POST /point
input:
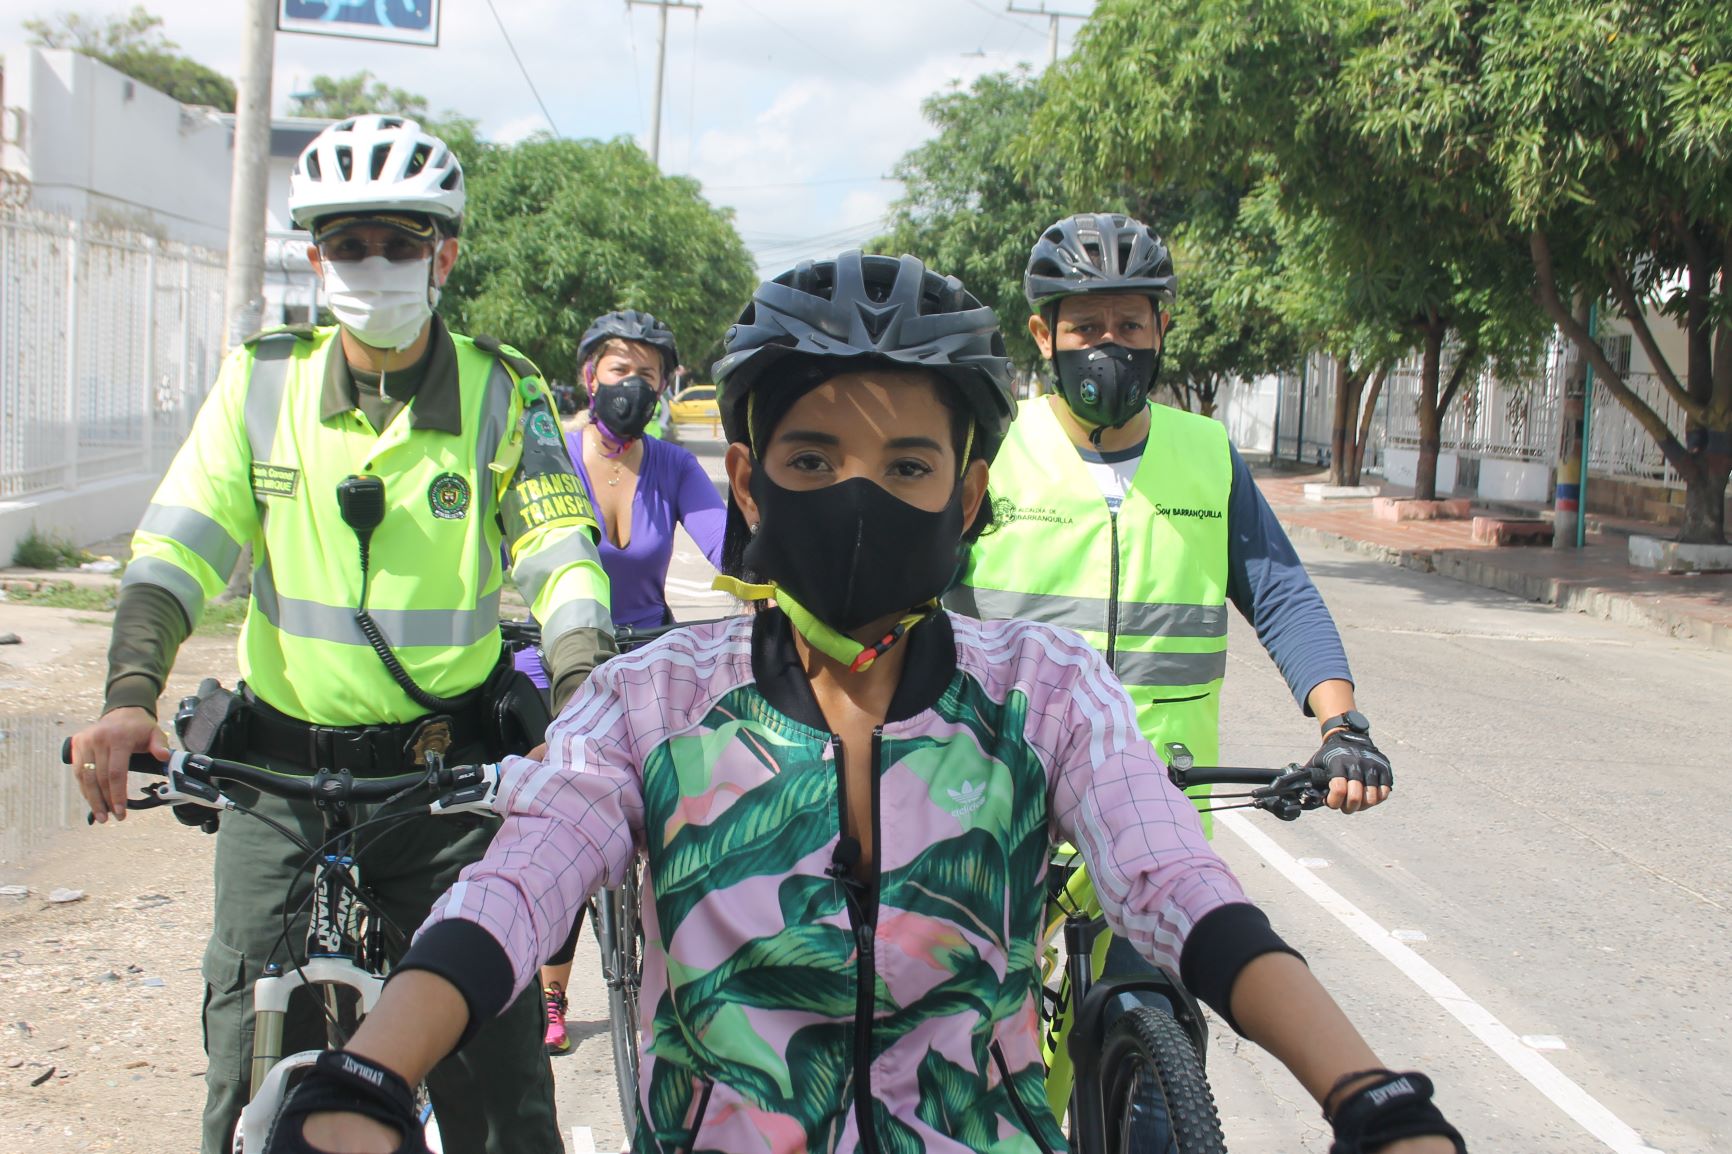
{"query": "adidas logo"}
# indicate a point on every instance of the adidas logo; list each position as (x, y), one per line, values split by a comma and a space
(969, 798)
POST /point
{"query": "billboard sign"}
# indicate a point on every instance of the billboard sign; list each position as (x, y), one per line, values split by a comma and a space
(397, 21)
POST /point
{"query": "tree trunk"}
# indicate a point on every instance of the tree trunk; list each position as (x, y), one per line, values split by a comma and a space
(1572, 453)
(1349, 384)
(1705, 504)
(1367, 412)
(240, 585)
(1430, 417)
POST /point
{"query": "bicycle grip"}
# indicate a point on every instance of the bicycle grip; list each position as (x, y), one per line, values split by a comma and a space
(139, 763)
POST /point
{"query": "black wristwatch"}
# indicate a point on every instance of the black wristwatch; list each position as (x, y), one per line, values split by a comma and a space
(1352, 720)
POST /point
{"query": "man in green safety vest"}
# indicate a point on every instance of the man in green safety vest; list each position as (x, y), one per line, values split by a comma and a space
(375, 467)
(1134, 523)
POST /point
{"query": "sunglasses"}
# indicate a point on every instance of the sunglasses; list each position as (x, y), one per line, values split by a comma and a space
(396, 249)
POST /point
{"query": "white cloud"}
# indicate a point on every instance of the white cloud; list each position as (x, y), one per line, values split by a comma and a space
(787, 110)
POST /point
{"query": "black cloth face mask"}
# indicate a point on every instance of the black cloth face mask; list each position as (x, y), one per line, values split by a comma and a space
(1107, 385)
(851, 553)
(625, 407)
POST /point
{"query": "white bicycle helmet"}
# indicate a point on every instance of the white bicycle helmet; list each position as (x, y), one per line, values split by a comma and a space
(377, 164)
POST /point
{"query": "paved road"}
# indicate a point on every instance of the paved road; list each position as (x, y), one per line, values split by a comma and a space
(1554, 867)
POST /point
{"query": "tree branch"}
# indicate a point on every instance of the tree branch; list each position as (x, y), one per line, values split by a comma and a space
(1457, 373)
(1546, 291)
(1633, 312)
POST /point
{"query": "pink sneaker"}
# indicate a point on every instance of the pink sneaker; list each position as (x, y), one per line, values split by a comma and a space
(557, 1041)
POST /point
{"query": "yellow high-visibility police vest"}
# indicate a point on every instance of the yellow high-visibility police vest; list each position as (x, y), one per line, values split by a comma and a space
(1147, 585)
(475, 459)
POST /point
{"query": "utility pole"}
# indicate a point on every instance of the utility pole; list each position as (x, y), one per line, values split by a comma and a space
(244, 296)
(661, 66)
(1052, 25)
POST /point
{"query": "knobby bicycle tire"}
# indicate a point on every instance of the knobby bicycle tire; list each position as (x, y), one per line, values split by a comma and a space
(1149, 1063)
(622, 967)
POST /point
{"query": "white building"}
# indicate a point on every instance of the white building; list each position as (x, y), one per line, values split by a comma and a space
(114, 209)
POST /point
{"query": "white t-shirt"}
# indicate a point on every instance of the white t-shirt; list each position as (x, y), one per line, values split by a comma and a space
(1113, 471)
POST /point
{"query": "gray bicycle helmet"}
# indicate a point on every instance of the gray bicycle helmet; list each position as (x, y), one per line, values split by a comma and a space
(1098, 253)
(861, 309)
(631, 325)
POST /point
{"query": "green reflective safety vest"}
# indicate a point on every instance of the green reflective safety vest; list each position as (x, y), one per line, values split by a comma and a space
(475, 459)
(1147, 586)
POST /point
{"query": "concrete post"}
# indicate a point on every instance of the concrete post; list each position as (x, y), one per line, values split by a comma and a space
(73, 255)
(244, 295)
(148, 420)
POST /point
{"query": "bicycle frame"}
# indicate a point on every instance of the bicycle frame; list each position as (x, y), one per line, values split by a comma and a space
(344, 946)
(1085, 1003)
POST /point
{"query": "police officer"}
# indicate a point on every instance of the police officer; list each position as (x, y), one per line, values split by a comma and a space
(1135, 523)
(449, 444)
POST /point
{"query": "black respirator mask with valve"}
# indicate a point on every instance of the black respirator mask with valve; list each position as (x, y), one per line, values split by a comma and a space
(1107, 385)
(625, 407)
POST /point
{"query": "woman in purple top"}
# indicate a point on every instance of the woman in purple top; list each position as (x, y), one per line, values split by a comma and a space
(640, 487)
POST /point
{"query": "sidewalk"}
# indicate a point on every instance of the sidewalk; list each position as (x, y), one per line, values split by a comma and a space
(1597, 580)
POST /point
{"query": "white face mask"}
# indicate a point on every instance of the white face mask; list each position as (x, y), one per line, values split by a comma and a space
(385, 304)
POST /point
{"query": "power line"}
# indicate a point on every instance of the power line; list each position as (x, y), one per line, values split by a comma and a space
(798, 39)
(997, 15)
(521, 68)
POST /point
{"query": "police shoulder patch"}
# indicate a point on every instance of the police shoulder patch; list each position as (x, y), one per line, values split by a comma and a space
(448, 496)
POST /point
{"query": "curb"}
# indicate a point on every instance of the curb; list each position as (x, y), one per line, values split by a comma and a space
(1461, 565)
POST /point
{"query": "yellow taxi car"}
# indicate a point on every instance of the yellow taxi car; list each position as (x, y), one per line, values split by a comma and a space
(695, 405)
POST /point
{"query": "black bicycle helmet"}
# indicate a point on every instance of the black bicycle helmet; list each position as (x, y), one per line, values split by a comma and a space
(1098, 253)
(631, 325)
(883, 309)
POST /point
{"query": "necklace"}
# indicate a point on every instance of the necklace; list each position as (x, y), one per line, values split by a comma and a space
(614, 480)
(617, 455)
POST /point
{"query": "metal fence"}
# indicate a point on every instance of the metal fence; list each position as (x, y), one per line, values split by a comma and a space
(1508, 416)
(108, 341)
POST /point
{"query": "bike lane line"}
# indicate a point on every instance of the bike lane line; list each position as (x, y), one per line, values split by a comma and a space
(1563, 1092)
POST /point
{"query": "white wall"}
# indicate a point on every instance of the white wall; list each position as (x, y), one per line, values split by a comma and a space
(1247, 408)
(99, 146)
(1401, 468)
(1515, 480)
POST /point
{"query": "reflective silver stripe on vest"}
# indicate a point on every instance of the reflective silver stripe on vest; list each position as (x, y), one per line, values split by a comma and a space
(1170, 668)
(270, 380)
(403, 628)
(1089, 614)
(167, 575)
(495, 425)
(533, 571)
(584, 613)
(197, 532)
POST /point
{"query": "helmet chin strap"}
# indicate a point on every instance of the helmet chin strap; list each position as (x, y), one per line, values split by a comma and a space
(831, 642)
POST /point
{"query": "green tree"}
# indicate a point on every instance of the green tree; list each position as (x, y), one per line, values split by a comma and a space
(134, 44)
(1226, 321)
(1609, 123)
(335, 97)
(969, 208)
(559, 231)
(1289, 89)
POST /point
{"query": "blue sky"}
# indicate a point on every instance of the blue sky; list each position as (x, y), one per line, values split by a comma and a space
(788, 111)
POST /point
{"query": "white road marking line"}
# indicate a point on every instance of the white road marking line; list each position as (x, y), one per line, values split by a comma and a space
(1564, 1093)
(582, 1140)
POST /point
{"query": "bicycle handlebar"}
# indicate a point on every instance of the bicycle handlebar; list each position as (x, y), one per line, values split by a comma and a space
(192, 779)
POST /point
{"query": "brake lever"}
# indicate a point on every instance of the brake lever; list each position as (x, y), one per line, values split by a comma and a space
(179, 789)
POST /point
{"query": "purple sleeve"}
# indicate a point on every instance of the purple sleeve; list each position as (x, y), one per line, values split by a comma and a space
(700, 508)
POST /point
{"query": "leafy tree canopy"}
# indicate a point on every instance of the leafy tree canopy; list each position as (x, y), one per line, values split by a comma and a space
(335, 97)
(969, 209)
(134, 44)
(558, 232)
